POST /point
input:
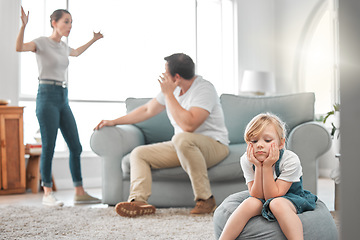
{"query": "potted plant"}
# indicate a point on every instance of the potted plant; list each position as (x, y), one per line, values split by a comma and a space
(335, 173)
(335, 111)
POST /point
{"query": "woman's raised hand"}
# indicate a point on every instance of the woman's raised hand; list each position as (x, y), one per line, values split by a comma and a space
(24, 17)
(98, 35)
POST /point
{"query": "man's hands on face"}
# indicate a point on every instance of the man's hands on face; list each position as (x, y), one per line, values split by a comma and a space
(167, 84)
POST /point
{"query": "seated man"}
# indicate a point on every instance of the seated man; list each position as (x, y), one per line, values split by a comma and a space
(200, 140)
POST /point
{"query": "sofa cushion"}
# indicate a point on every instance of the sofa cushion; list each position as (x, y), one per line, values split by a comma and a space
(293, 109)
(229, 168)
(156, 129)
(226, 170)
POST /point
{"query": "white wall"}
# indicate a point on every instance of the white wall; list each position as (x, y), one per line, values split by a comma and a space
(270, 35)
(256, 35)
(90, 167)
(350, 114)
(291, 22)
(9, 58)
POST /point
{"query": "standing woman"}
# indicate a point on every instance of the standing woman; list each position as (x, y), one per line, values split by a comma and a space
(52, 106)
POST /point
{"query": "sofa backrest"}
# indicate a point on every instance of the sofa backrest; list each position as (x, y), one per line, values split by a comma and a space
(293, 109)
(156, 129)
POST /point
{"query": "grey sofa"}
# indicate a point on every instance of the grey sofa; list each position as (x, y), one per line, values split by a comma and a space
(171, 187)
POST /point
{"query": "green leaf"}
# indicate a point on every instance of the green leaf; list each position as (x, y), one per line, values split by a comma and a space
(328, 115)
(333, 130)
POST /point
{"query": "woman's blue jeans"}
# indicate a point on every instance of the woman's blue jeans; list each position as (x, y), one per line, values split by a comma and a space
(53, 112)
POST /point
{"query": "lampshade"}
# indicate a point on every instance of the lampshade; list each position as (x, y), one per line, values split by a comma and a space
(257, 82)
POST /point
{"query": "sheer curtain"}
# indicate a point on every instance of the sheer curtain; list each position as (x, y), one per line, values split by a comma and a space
(319, 65)
(130, 57)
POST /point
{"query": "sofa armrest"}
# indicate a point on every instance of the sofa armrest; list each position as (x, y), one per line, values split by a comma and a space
(112, 144)
(309, 141)
(116, 141)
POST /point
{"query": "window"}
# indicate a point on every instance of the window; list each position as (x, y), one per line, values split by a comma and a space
(216, 44)
(137, 37)
(319, 67)
(130, 57)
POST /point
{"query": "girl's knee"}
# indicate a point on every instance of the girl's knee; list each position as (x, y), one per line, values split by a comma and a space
(275, 204)
(280, 204)
(253, 202)
(251, 206)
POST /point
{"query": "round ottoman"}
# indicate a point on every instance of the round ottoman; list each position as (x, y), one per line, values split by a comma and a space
(317, 224)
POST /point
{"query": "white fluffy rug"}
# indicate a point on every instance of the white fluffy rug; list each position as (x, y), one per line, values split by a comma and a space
(28, 222)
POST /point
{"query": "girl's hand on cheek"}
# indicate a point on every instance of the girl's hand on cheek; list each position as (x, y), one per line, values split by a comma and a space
(273, 155)
(251, 156)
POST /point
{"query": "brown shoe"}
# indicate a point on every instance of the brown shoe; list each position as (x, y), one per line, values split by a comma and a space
(134, 209)
(204, 206)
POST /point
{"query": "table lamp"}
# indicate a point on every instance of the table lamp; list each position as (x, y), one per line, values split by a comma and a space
(257, 82)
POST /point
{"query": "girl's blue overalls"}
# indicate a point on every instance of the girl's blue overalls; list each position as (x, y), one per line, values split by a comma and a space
(303, 200)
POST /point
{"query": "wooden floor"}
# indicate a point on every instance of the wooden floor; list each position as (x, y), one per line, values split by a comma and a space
(326, 193)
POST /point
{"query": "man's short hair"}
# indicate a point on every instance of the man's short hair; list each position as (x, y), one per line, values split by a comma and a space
(182, 64)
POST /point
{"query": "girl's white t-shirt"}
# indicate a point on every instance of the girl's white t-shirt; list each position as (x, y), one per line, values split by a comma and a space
(52, 58)
(201, 94)
(290, 168)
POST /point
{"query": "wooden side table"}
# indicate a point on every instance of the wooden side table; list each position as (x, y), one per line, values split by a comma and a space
(33, 172)
(12, 157)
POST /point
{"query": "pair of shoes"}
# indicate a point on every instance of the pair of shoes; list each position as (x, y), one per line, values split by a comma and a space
(86, 199)
(134, 209)
(50, 200)
(204, 206)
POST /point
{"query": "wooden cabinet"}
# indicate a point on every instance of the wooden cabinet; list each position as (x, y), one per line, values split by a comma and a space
(12, 152)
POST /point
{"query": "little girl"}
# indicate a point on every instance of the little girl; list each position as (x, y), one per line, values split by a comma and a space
(274, 179)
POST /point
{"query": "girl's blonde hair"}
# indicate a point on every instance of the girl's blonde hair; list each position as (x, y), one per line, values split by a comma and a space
(259, 122)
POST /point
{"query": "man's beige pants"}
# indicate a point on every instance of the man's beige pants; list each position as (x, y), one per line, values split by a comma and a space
(195, 153)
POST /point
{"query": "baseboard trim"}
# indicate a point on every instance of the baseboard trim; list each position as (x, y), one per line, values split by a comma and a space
(63, 184)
